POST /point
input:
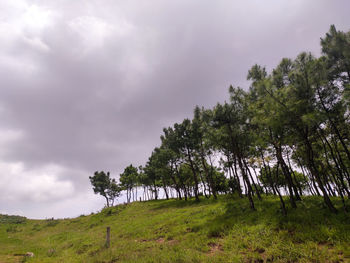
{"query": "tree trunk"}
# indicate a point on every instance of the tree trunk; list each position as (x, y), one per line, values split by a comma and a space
(313, 171)
(286, 175)
(283, 206)
(267, 171)
(195, 179)
(245, 177)
(251, 178)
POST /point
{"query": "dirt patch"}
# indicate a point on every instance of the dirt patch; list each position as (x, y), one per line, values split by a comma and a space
(325, 244)
(329, 248)
(160, 240)
(214, 248)
(173, 242)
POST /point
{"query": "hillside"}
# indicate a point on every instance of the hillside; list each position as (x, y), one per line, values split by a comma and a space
(225, 230)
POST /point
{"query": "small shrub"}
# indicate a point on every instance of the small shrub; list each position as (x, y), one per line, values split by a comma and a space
(12, 229)
(52, 223)
(93, 225)
(7, 219)
(195, 228)
(109, 212)
(217, 230)
(83, 248)
(36, 227)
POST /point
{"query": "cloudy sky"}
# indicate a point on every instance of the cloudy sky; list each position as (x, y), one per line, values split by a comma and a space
(89, 85)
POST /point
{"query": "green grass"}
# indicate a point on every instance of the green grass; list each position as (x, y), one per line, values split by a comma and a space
(223, 230)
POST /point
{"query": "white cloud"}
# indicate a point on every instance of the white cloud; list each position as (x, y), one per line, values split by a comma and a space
(36, 18)
(17, 19)
(37, 43)
(36, 184)
(94, 31)
(22, 23)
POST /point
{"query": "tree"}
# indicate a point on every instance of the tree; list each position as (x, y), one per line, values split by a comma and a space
(128, 180)
(104, 185)
(114, 191)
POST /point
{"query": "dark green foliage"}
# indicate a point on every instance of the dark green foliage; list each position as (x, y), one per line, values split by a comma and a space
(51, 223)
(104, 185)
(8, 219)
(128, 180)
(12, 229)
(279, 180)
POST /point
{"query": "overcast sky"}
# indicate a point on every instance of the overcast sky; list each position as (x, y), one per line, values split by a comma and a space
(89, 85)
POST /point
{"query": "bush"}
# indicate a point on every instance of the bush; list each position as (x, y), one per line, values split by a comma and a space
(12, 229)
(7, 219)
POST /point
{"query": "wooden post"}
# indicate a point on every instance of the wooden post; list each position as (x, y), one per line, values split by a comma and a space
(108, 237)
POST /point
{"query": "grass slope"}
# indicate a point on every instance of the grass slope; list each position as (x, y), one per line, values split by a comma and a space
(225, 230)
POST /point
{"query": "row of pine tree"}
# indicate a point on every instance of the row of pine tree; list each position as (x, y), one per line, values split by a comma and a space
(288, 135)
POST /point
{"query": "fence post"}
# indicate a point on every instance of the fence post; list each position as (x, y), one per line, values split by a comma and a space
(108, 237)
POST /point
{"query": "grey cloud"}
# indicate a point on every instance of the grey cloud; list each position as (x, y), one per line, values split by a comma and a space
(93, 88)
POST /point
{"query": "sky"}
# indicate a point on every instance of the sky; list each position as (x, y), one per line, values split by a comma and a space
(87, 86)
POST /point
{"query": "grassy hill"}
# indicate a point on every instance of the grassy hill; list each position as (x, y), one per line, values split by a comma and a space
(225, 230)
